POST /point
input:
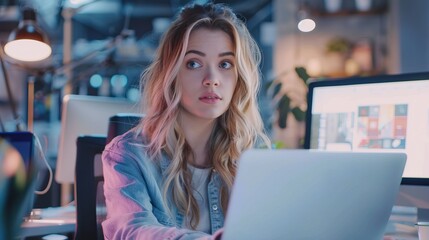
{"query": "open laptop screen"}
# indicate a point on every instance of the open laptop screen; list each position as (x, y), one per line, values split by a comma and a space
(373, 114)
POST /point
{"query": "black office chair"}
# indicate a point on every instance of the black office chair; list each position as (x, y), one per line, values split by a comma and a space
(121, 123)
(89, 196)
(88, 187)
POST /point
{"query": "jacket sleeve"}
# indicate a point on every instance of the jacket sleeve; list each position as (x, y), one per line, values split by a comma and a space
(132, 199)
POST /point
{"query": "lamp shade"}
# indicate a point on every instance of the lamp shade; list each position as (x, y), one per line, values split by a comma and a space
(28, 42)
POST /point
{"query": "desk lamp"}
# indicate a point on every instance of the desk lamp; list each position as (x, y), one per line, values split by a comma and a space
(28, 43)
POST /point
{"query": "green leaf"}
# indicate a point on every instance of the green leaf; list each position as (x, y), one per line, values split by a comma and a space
(284, 108)
(278, 145)
(277, 89)
(277, 86)
(299, 114)
(302, 73)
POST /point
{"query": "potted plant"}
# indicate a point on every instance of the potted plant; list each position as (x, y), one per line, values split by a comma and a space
(287, 99)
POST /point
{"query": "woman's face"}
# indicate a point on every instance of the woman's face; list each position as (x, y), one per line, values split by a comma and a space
(208, 75)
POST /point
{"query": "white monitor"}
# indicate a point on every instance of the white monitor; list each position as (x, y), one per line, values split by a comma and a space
(83, 115)
(388, 113)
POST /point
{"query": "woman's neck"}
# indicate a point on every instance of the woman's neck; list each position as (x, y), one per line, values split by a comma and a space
(197, 132)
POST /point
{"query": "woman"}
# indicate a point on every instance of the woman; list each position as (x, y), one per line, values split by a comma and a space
(171, 177)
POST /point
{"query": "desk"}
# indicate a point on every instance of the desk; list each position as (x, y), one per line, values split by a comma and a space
(52, 220)
(63, 220)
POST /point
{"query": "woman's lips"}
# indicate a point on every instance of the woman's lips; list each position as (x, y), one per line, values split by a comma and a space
(210, 98)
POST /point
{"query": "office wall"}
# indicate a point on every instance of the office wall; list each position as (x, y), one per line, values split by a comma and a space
(399, 37)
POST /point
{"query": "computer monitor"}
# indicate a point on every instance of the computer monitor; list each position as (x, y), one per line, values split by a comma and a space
(84, 115)
(388, 113)
(23, 142)
(20, 192)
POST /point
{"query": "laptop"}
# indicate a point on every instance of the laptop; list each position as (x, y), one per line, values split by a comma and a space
(308, 194)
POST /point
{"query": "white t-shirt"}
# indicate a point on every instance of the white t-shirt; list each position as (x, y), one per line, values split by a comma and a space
(200, 180)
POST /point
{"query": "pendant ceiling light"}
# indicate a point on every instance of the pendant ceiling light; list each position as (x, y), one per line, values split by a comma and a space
(28, 42)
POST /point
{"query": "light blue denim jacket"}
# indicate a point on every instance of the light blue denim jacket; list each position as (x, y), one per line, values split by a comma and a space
(133, 189)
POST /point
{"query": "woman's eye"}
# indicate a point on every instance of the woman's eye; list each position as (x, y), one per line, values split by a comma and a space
(193, 64)
(225, 65)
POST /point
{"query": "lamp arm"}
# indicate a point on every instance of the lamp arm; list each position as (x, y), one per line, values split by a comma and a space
(9, 92)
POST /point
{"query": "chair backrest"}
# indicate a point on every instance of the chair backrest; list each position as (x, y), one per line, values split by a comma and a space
(88, 179)
(89, 195)
(121, 123)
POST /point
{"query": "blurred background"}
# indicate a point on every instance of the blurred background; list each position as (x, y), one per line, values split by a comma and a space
(100, 47)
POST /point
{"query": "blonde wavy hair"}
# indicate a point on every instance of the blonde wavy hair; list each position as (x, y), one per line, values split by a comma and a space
(238, 129)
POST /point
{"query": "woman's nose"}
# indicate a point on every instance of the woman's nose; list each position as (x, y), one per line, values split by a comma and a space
(211, 79)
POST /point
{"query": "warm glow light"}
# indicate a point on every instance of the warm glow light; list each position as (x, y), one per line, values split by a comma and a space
(306, 25)
(314, 67)
(27, 50)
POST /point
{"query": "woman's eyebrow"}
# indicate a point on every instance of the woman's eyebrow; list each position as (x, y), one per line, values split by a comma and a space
(196, 52)
(226, 54)
(203, 54)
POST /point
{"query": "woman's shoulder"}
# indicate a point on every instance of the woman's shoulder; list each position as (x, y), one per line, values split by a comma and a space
(127, 154)
(132, 137)
(133, 145)
(130, 142)
(128, 147)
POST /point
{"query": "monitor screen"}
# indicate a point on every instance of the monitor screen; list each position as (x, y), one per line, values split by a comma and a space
(388, 113)
(84, 115)
(23, 142)
(383, 114)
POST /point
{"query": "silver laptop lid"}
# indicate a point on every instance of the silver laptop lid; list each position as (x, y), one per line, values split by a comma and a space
(302, 194)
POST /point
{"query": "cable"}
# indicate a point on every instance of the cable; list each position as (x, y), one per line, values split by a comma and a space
(42, 155)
